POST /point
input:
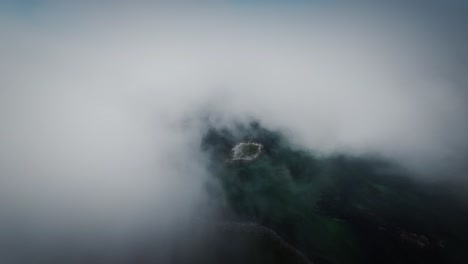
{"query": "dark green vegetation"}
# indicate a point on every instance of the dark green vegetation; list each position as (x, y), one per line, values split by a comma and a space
(336, 209)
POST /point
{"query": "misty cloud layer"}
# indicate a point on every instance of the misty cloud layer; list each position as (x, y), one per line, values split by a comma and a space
(101, 106)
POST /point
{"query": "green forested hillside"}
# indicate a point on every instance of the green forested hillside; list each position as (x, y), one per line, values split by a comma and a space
(333, 209)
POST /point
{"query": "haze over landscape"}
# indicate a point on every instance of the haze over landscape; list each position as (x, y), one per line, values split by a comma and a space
(111, 114)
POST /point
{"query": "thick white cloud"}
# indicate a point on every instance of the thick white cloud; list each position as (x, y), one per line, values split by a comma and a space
(93, 102)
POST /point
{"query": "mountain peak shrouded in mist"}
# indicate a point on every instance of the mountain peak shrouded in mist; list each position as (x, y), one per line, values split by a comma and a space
(338, 208)
(361, 132)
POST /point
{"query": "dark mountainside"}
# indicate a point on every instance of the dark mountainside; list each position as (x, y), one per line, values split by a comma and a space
(293, 206)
